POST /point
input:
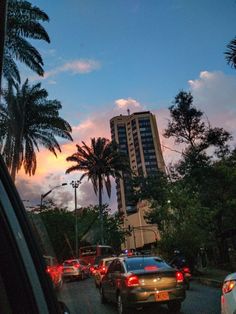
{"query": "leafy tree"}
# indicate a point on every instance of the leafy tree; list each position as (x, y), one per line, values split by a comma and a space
(99, 161)
(193, 207)
(187, 127)
(27, 120)
(46, 224)
(114, 234)
(23, 22)
(205, 181)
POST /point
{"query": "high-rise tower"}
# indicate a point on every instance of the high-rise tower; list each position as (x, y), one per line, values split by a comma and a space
(137, 136)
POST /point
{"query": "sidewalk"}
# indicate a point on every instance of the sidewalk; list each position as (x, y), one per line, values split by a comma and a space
(211, 277)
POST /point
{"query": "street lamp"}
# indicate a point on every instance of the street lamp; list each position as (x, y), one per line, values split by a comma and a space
(46, 194)
(75, 185)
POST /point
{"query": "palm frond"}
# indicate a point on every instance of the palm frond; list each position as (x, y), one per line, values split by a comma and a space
(230, 54)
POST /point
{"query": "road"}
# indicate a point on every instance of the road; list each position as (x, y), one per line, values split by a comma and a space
(83, 298)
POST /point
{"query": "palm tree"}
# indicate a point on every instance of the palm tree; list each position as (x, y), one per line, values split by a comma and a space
(230, 54)
(27, 120)
(99, 162)
(23, 22)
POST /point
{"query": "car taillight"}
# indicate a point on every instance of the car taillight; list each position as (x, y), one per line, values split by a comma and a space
(59, 268)
(186, 270)
(77, 265)
(103, 270)
(132, 281)
(48, 269)
(179, 276)
(228, 286)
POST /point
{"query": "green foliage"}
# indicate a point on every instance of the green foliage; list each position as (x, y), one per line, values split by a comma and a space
(57, 229)
(27, 120)
(23, 23)
(98, 162)
(197, 205)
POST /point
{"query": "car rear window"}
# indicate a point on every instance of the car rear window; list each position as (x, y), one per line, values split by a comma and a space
(107, 263)
(145, 263)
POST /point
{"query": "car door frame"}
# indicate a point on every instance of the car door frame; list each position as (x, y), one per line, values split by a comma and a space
(29, 266)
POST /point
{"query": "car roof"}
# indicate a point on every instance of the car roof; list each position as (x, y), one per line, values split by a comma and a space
(108, 258)
(139, 257)
(231, 276)
(71, 260)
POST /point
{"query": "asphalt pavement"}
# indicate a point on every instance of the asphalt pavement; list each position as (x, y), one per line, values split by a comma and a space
(83, 298)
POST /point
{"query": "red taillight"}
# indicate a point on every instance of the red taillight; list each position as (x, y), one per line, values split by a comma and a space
(48, 269)
(186, 270)
(132, 281)
(228, 286)
(179, 276)
(59, 268)
(77, 265)
(103, 270)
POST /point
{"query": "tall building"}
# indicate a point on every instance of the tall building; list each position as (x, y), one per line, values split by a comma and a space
(137, 136)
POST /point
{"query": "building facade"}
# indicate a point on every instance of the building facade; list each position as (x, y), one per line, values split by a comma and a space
(137, 136)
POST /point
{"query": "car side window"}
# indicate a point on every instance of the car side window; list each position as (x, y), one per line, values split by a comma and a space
(111, 267)
(118, 266)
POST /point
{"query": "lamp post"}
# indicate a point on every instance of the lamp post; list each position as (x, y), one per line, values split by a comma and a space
(75, 185)
(46, 194)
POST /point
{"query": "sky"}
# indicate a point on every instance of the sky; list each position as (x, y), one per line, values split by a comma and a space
(109, 56)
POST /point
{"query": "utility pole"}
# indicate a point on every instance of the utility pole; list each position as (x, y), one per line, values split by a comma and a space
(75, 185)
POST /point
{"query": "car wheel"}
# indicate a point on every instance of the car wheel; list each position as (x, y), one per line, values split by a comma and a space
(103, 299)
(120, 305)
(174, 306)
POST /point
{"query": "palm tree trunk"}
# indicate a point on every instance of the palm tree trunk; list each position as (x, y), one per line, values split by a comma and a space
(100, 208)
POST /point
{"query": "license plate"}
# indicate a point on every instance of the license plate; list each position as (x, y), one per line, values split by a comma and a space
(162, 296)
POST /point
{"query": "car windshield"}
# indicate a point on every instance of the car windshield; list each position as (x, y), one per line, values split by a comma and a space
(143, 263)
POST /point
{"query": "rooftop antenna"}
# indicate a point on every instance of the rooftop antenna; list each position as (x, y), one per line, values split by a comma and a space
(128, 112)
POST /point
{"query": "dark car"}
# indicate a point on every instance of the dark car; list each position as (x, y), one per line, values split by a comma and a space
(141, 281)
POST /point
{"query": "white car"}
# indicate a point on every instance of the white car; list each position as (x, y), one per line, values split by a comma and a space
(228, 297)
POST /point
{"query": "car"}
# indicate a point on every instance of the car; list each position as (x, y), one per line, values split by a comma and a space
(140, 281)
(101, 269)
(94, 267)
(54, 270)
(228, 297)
(75, 269)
